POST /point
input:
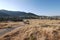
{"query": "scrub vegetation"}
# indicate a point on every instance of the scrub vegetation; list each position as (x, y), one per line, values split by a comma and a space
(32, 29)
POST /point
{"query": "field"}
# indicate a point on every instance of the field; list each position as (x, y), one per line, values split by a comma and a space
(31, 29)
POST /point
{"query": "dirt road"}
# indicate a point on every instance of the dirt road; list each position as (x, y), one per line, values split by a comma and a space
(7, 31)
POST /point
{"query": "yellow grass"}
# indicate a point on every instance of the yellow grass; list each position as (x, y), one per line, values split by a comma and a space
(36, 30)
(9, 24)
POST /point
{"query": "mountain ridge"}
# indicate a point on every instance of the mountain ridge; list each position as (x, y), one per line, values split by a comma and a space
(17, 13)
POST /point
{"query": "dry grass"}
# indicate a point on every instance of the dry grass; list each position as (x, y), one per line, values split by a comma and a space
(9, 24)
(36, 30)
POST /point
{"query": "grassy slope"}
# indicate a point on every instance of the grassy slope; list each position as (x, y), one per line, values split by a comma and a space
(36, 30)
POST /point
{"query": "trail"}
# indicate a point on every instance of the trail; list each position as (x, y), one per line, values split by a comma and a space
(7, 31)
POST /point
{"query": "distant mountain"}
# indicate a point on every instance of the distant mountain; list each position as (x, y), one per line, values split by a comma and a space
(3, 14)
(16, 13)
(23, 15)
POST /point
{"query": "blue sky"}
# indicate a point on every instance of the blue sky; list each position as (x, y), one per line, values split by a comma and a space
(39, 7)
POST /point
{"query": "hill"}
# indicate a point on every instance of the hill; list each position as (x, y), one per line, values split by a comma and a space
(35, 30)
(16, 13)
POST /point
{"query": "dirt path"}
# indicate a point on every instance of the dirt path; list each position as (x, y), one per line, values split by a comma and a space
(4, 31)
(7, 31)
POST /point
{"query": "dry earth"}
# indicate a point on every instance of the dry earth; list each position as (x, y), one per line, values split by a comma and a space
(33, 29)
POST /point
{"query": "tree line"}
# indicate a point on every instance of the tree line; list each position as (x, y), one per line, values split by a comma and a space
(15, 18)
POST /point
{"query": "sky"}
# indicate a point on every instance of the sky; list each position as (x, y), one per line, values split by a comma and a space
(39, 7)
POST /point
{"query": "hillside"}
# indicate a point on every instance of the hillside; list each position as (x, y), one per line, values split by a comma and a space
(35, 30)
(3, 14)
(23, 15)
(17, 13)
